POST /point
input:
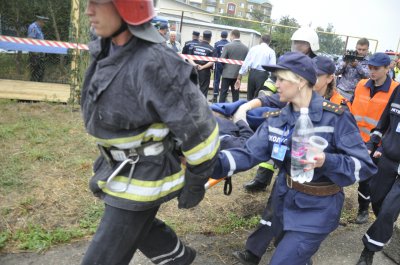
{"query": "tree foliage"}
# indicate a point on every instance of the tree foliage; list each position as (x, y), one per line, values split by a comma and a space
(280, 36)
(329, 43)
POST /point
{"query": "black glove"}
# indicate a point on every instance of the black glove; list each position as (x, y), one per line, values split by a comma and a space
(193, 191)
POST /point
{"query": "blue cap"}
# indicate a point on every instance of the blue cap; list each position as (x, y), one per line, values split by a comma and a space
(325, 66)
(164, 26)
(298, 63)
(224, 34)
(207, 34)
(196, 33)
(379, 59)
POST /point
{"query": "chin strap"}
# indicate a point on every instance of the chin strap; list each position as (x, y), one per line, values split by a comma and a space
(121, 29)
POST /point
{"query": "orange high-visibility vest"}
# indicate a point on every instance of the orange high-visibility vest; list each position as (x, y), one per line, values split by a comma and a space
(339, 99)
(366, 110)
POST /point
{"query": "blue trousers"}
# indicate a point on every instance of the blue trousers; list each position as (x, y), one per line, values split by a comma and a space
(296, 248)
(217, 78)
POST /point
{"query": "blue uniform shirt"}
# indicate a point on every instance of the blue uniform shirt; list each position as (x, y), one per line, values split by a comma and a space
(219, 46)
(187, 48)
(347, 161)
(35, 31)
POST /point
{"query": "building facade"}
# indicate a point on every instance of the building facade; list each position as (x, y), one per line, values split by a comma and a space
(237, 8)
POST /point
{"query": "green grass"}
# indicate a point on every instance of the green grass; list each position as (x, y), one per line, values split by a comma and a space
(236, 222)
(37, 238)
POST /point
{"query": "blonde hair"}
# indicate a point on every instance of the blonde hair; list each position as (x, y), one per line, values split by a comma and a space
(291, 77)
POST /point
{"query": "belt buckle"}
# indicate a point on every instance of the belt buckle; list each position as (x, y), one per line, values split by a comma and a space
(289, 180)
(106, 155)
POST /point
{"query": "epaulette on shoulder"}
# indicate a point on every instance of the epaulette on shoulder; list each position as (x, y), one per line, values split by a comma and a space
(332, 107)
(271, 113)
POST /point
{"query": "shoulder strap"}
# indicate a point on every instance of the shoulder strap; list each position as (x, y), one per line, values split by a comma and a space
(332, 107)
(272, 113)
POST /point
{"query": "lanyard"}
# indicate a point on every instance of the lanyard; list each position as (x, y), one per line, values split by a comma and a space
(283, 138)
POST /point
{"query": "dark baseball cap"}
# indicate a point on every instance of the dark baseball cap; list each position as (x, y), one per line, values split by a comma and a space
(325, 66)
(196, 33)
(224, 34)
(298, 63)
(164, 26)
(207, 34)
(379, 59)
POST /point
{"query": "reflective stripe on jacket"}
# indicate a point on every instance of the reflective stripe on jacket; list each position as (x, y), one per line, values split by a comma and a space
(366, 110)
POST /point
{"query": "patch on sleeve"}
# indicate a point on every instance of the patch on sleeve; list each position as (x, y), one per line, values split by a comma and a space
(271, 113)
(332, 107)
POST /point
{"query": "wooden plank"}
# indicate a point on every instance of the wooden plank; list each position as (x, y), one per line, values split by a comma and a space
(37, 91)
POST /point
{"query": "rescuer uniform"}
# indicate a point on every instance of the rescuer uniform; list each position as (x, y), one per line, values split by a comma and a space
(218, 47)
(367, 107)
(305, 214)
(385, 185)
(187, 48)
(203, 48)
(137, 110)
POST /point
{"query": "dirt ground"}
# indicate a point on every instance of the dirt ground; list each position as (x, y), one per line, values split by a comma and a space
(341, 247)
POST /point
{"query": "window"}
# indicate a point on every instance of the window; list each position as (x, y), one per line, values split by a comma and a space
(221, 10)
(231, 9)
(242, 5)
(250, 7)
(221, 1)
(240, 13)
(210, 9)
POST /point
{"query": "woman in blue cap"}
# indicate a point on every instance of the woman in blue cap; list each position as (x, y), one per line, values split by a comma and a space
(304, 214)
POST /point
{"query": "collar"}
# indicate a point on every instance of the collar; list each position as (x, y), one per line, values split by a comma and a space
(384, 87)
(289, 116)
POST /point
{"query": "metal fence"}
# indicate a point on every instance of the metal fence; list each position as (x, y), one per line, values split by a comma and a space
(68, 23)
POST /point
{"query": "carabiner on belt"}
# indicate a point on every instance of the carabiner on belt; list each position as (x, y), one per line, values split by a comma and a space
(119, 168)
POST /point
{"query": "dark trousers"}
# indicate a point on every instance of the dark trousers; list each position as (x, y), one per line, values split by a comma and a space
(256, 81)
(385, 198)
(36, 66)
(121, 233)
(265, 172)
(225, 84)
(217, 78)
(204, 80)
(258, 241)
(364, 194)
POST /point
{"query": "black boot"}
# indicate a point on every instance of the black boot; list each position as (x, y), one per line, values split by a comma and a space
(362, 217)
(254, 186)
(187, 258)
(246, 257)
(366, 257)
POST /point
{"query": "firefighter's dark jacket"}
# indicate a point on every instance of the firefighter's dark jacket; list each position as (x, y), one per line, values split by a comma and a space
(145, 92)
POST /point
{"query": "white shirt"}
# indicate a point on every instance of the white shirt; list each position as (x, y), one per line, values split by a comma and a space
(258, 55)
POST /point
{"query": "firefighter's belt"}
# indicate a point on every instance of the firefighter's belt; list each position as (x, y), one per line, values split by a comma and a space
(113, 154)
(313, 188)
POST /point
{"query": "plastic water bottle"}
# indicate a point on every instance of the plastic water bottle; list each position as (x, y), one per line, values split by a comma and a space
(302, 132)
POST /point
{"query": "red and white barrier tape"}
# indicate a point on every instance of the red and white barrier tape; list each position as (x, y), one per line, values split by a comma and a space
(211, 59)
(47, 43)
(69, 45)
